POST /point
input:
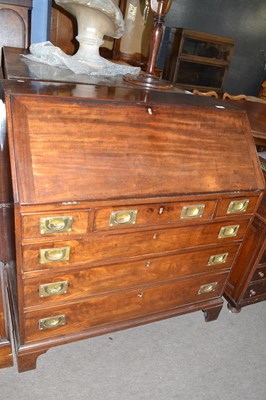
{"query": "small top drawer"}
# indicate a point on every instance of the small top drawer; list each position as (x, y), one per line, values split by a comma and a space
(51, 224)
(259, 274)
(153, 214)
(237, 206)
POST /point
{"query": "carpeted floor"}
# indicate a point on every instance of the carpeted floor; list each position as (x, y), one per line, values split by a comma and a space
(182, 358)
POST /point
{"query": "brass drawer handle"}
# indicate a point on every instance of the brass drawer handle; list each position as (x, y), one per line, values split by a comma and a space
(54, 254)
(228, 231)
(261, 274)
(237, 206)
(51, 289)
(123, 217)
(55, 224)
(252, 293)
(52, 322)
(218, 259)
(208, 288)
(195, 211)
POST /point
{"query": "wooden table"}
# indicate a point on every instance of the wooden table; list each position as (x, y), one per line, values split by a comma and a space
(17, 67)
(256, 111)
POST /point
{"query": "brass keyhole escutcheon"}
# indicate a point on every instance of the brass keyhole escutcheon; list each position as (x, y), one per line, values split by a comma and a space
(148, 264)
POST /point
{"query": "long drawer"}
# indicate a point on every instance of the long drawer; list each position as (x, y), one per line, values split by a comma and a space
(121, 306)
(99, 248)
(57, 288)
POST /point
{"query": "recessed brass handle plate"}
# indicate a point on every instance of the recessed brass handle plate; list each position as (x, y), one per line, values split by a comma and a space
(193, 211)
(51, 289)
(52, 322)
(228, 231)
(54, 254)
(237, 206)
(123, 217)
(218, 259)
(55, 224)
(208, 288)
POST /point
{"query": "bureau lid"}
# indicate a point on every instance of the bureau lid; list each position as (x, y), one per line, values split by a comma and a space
(66, 149)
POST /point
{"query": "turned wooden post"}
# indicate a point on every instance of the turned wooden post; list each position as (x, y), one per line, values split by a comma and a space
(149, 78)
(160, 8)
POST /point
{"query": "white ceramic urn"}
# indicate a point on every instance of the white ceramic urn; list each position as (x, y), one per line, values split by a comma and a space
(95, 19)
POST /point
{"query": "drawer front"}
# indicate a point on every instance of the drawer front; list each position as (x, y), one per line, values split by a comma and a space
(259, 274)
(237, 206)
(121, 306)
(64, 287)
(99, 248)
(153, 214)
(54, 224)
(255, 289)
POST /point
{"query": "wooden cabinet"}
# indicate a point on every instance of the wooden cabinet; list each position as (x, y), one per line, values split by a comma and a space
(247, 283)
(7, 254)
(196, 60)
(118, 223)
(14, 24)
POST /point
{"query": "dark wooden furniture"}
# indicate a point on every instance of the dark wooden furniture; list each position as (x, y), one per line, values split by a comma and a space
(262, 92)
(14, 24)
(6, 245)
(256, 112)
(196, 60)
(63, 30)
(17, 68)
(118, 223)
(247, 283)
(6, 357)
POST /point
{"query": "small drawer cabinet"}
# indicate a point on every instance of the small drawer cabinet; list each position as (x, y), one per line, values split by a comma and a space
(129, 207)
(247, 283)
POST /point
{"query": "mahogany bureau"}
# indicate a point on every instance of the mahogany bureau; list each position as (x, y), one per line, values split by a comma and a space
(130, 207)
